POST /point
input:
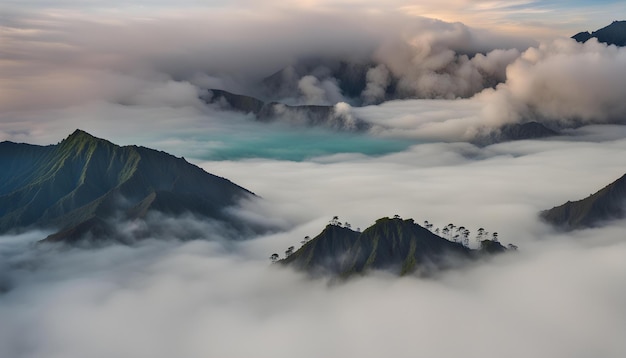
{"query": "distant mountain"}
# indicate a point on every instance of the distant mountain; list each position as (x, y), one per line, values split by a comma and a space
(351, 78)
(309, 115)
(83, 182)
(614, 34)
(522, 131)
(516, 131)
(607, 204)
(400, 246)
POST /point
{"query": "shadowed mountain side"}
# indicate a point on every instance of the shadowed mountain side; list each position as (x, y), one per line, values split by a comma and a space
(308, 115)
(17, 161)
(528, 130)
(83, 177)
(397, 245)
(351, 78)
(604, 205)
(516, 131)
(614, 34)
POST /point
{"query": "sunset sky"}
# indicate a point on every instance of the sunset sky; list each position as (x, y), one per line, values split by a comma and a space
(525, 17)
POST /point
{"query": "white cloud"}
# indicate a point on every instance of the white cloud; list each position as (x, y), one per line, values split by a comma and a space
(562, 296)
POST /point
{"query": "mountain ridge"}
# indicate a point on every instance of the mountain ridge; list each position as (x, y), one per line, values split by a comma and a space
(606, 204)
(392, 244)
(613, 34)
(82, 177)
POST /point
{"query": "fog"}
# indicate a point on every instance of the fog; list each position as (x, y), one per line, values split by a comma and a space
(561, 295)
(194, 300)
(133, 75)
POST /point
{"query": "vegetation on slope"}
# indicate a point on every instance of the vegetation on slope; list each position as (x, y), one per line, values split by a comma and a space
(84, 177)
(400, 246)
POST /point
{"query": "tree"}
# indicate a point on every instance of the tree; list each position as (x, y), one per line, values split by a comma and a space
(479, 235)
(274, 257)
(347, 225)
(466, 234)
(396, 216)
(289, 251)
(334, 220)
(495, 236)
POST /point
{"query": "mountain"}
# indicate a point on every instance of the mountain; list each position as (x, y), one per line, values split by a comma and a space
(515, 131)
(309, 115)
(81, 183)
(351, 77)
(528, 130)
(606, 204)
(614, 34)
(397, 245)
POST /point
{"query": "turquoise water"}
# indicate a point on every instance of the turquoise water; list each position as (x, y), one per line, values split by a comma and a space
(291, 144)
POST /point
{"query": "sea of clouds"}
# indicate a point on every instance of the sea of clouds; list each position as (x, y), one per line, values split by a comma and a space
(134, 78)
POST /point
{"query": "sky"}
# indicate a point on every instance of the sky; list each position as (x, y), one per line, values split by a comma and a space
(538, 18)
(133, 73)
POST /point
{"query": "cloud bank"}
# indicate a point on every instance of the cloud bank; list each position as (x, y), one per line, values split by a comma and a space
(560, 296)
(64, 70)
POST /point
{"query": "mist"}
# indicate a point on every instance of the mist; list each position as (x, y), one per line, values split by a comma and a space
(200, 298)
(134, 73)
(560, 295)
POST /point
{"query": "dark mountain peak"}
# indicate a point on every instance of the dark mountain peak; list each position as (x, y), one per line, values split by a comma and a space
(614, 34)
(492, 247)
(395, 244)
(80, 134)
(582, 36)
(331, 229)
(83, 178)
(606, 204)
(83, 139)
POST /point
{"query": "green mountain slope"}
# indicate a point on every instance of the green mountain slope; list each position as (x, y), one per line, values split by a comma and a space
(397, 245)
(606, 204)
(84, 177)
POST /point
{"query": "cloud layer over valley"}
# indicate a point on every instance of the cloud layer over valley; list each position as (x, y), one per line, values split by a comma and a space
(561, 294)
(134, 75)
